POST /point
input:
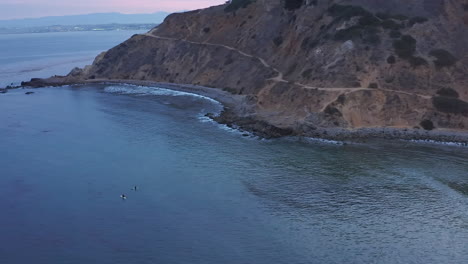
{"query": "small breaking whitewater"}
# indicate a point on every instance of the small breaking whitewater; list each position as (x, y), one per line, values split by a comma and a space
(137, 90)
(246, 134)
(145, 90)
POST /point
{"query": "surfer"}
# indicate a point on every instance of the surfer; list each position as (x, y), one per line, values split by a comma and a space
(123, 196)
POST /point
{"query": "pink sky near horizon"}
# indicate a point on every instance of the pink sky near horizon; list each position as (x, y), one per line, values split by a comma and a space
(13, 9)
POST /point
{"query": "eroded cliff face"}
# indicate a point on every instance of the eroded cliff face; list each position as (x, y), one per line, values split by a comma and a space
(314, 63)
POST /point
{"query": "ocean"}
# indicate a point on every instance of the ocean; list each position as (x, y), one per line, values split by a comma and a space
(41, 55)
(205, 193)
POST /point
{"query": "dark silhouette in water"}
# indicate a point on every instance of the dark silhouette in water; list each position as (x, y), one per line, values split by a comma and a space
(135, 188)
(123, 196)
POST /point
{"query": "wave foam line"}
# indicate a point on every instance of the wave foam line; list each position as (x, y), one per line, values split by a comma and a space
(436, 142)
(145, 90)
(237, 131)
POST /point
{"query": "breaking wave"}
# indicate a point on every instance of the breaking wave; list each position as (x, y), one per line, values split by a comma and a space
(145, 90)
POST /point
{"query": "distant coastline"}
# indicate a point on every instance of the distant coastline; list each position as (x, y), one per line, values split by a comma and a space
(86, 22)
(75, 28)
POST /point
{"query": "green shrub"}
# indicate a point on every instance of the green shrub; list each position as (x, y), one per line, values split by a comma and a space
(230, 90)
(417, 20)
(417, 61)
(333, 111)
(367, 34)
(400, 17)
(291, 69)
(391, 59)
(278, 41)
(293, 4)
(307, 73)
(450, 105)
(366, 29)
(349, 33)
(309, 43)
(305, 43)
(371, 35)
(448, 92)
(347, 11)
(395, 34)
(390, 24)
(341, 99)
(383, 16)
(443, 58)
(229, 60)
(405, 47)
(369, 20)
(427, 124)
(237, 4)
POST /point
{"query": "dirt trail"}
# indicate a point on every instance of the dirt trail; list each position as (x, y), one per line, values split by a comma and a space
(280, 76)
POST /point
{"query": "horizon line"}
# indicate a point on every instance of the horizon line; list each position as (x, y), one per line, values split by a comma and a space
(97, 13)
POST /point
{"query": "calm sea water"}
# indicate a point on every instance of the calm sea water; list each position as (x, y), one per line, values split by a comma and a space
(208, 195)
(23, 56)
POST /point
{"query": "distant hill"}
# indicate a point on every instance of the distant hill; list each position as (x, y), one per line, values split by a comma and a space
(89, 19)
(76, 28)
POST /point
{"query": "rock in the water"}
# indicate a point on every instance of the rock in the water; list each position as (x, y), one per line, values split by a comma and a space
(28, 93)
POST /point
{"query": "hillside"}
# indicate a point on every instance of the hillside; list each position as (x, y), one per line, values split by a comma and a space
(312, 64)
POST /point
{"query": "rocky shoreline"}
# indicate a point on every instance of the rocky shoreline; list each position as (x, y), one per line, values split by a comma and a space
(239, 114)
(266, 130)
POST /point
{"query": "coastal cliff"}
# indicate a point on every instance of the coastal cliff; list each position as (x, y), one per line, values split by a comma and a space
(304, 66)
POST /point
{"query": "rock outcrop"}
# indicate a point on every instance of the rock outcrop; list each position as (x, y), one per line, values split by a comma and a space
(308, 64)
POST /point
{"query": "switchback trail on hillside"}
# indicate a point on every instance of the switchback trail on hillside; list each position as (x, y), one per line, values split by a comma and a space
(280, 76)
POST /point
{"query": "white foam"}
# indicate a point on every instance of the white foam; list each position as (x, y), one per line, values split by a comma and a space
(315, 140)
(430, 141)
(204, 119)
(245, 134)
(326, 141)
(145, 90)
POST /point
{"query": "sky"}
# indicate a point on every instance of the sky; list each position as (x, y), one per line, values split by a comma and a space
(13, 9)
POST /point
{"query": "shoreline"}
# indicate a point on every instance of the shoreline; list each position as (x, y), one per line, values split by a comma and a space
(239, 114)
